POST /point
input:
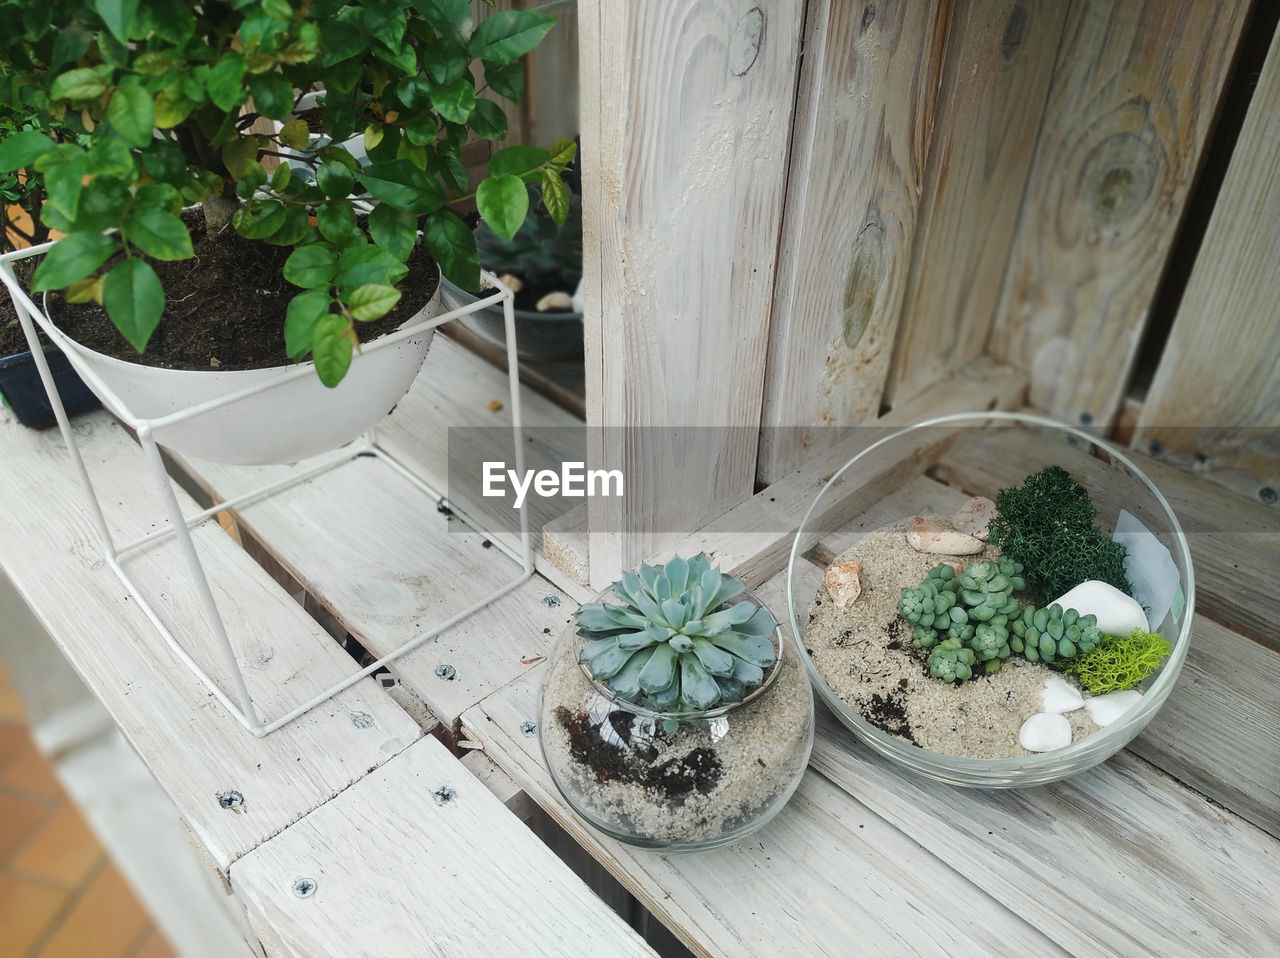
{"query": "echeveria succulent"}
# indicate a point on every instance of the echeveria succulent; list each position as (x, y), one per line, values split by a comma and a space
(677, 643)
(1043, 635)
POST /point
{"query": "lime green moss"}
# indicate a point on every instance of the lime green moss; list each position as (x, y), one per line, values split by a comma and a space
(1120, 662)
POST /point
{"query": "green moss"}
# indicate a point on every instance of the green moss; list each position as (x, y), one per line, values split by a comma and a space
(1048, 525)
(1120, 662)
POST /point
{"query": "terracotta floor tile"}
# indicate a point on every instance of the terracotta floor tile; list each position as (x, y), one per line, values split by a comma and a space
(63, 850)
(18, 819)
(26, 908)
(13, 738)
(104, 923)
(30, 771)
(155, 945)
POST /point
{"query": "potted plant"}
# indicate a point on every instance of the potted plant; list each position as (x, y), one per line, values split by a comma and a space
(20, 226)
(542, 265)
(673, 715)
(165, 100)
(1015, 642)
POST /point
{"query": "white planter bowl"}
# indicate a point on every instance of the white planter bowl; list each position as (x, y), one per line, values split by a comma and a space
(293, 421)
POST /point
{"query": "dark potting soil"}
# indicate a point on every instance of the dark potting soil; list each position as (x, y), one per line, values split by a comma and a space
(12, 339)
(225, 307)
(698, 770)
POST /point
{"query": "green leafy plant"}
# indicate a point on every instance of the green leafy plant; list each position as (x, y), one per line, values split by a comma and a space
(677, 643)
(1047, 524)
(1120, 662)
(973, 619)
(163, 98)
(544, 254)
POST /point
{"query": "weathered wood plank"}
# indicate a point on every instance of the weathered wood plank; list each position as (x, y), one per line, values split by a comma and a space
(1133, 99)
(823, 874)
(195, 749)
(1219, 731)
(1215, 401)
(998, 67)
(864, 114)
(680, 245)
(1235, 544)
(420, 858)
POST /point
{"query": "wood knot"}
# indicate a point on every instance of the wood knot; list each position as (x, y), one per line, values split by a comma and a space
(744, 45)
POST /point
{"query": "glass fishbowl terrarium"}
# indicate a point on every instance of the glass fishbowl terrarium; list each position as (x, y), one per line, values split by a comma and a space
(991, 599)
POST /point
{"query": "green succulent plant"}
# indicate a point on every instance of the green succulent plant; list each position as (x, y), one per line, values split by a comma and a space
(677, 643)
(951, 661)
(1046, 635)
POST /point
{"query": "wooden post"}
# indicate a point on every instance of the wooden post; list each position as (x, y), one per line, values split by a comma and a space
(1134, 95)
(1215, 401)
(864, 115)
(687, 112)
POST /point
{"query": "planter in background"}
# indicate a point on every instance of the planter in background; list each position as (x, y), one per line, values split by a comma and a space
(24, 392)
(550, 337)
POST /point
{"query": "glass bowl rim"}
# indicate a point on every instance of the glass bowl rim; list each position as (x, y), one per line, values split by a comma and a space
(944, 764)
(771, 676)
(560, 315)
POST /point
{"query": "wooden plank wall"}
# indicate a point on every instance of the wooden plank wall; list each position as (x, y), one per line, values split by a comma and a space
(687, 111)
(1134, 96)
(1214, 405)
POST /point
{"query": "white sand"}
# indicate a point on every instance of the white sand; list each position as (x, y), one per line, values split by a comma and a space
(865, 655)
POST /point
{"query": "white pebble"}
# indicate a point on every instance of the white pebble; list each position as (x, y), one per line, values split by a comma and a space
(556, 301)
(1044, 732)
(1118, 614)
(975, 517)
(1105, 709)
(511, 282)
(929, 535)
(1061, 696)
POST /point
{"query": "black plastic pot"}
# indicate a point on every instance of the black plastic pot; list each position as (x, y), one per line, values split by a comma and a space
(23, 392)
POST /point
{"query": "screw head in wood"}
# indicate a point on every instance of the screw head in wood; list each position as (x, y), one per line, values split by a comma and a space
(528, 729)
(445, 671)
(363, 720)
(304, 887)
(1267, 495)
(231, 799)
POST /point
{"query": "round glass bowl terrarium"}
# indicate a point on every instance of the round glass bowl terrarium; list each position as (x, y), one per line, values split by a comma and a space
(675, 780)
(860, 654)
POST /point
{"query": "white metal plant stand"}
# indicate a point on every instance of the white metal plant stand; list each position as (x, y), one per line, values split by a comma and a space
(240, 703)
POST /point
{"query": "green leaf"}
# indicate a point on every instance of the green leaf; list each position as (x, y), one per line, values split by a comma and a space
(393, 230)
(22, 149)
(359, 265)
(172, 106)
(509, 34)
(294, 230)
(489, 120)
(119, 16)
(134, 300)
(281, 176)
(73, 258)
(454, 248)
(295, 134)
(403, 58)
(279, 9)
(331, 348)
(70, 45)
(305, 310)
(272, 95)
(224, 83)
(336, 221)
(451, 17)
(373, 134)
(372, 301)
(404, 186)
(110, 157)
(414, 92)
(132, 113)
(64, 182)
(84, 290)
(445, 62)
(239, 153)
(83, 83)
(454, 173)
(506, 79)
(518, 160)
(563, 151)
(153, 64)
(503, 203)
(555, 196)
(421, 130)
(335, 179)
(158, 233)
(385, 21)
(164, 162)
(162, 196)
(311, 266)
(259, 222)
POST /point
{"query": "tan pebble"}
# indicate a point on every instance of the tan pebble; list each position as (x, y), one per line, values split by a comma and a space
(511, 282)
(975, 517)
(843, 583)
(555, 301)
(495, 405)
(930, 535)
